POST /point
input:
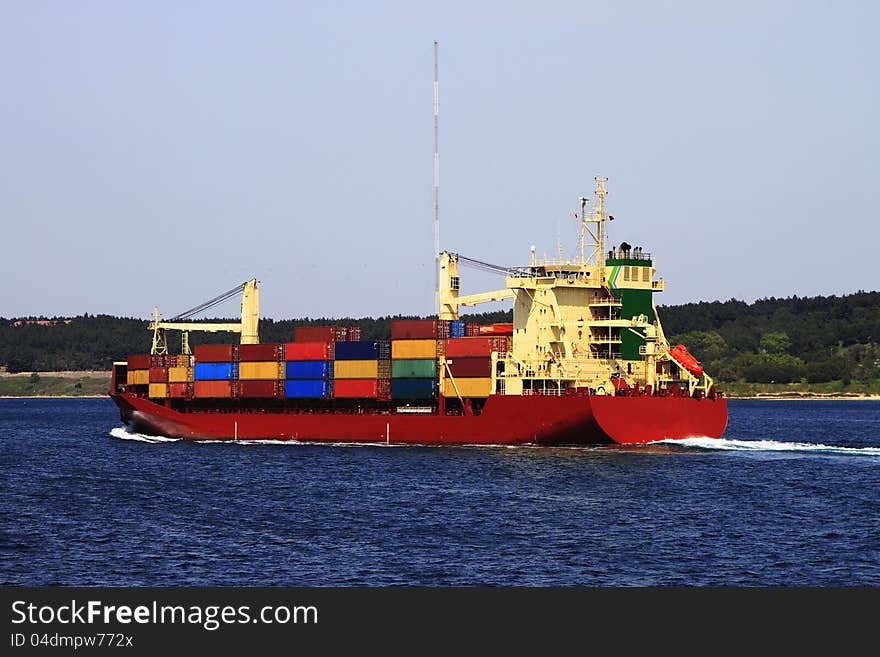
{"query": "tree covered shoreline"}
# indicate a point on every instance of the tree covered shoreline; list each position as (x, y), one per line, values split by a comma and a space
(815, 340)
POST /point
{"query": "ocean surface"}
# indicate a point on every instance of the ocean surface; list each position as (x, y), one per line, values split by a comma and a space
(790, 496)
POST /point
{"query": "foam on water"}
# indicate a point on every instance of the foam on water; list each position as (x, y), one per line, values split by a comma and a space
(124, 434)
(769, 446)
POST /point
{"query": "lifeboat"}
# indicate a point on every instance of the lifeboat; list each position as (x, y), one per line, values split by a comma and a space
(681, 356)
(497, 329)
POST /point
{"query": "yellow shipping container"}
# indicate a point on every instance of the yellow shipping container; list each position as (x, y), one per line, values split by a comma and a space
(184, 361)
(179, 374)
(356, 369)
(414, 348)
(137, 377)
(258, 371)
(468, 387)
(158, 390)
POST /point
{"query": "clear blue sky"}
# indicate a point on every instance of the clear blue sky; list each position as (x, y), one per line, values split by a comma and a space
(162, 152)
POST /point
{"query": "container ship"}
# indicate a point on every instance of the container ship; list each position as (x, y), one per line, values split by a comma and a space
(584, 361)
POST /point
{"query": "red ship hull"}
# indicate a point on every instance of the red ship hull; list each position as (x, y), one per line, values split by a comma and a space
(505, 420)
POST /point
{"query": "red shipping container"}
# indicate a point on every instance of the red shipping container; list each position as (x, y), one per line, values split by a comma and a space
(470, 367)
(261, 389)
(158, 375)
(260, 352)
(384, 389)
(139, 362)
(215, 353)
(419, 329)
(308, 351)
(178, 390)
(468, 347)
(314, 334)
(353, 334)
(212, 389)
(497, 329)
(355, 388)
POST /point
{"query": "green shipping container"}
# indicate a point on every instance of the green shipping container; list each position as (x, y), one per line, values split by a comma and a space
(414, 368)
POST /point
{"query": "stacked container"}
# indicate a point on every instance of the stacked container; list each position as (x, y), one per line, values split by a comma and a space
(362, 370)
(308, 370)
(180, 378)
(326, 333)
(415, 346)
(138, 372)
(216, 370)
(261, 370)
(470, 365)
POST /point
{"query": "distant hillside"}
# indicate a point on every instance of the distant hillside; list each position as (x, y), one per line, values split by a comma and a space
(813, 340)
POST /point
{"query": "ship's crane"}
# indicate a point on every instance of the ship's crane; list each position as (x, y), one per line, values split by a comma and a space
(248, 327)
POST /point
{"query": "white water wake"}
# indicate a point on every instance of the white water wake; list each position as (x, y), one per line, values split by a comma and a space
(124, 434)
(769, 446)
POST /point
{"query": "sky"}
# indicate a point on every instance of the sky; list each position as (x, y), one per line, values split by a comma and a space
(159, 153)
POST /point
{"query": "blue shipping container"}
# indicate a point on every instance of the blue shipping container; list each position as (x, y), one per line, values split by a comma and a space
(357, 351)
(413, 388)
(456, 328)
(363, 350)
(310, 388)
(215, 371)
(308, 369)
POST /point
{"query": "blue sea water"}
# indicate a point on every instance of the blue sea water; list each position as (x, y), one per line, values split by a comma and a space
(790, 496)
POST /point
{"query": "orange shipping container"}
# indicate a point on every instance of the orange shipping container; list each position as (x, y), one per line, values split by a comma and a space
(258, 371)
(137, 377)
(414, 348)
(179, 374)
(212, 389)
(481, 387)
(158, 390)
(356, 369)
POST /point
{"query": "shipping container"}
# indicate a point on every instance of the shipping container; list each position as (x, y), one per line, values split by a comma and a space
(470, 367)
(260, 352)
(215, 353)
(307, 388)
(414, 349)
(456, 328)
(260, 389)
(179, 374)
(356, 388)
(215, 371)
(497, 329)
(163, 360)
(183, 360)
(254, 371)
(179, 390)
(413, 388)
(355, 369)
(383, 387)
(137, 377)
(326, 333)
(481, 387)
(218, 389)
(471, 329)
(349, 350)
(158, 390)
(419, 329)
(139, 362)
(308, 351)
(413, 368)
(383, 370)
(158, 375)
(308, 369)
(475, 347)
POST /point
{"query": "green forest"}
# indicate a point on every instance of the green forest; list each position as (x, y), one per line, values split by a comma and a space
(812, 340)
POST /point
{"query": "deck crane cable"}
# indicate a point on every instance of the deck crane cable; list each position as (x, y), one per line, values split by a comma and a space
(188, 314)
(492, 269)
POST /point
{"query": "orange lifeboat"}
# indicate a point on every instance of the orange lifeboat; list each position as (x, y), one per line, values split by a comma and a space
(497, 329)
(681, 356)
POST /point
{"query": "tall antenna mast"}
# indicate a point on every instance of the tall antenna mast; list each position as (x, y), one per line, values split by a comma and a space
(436, 183)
